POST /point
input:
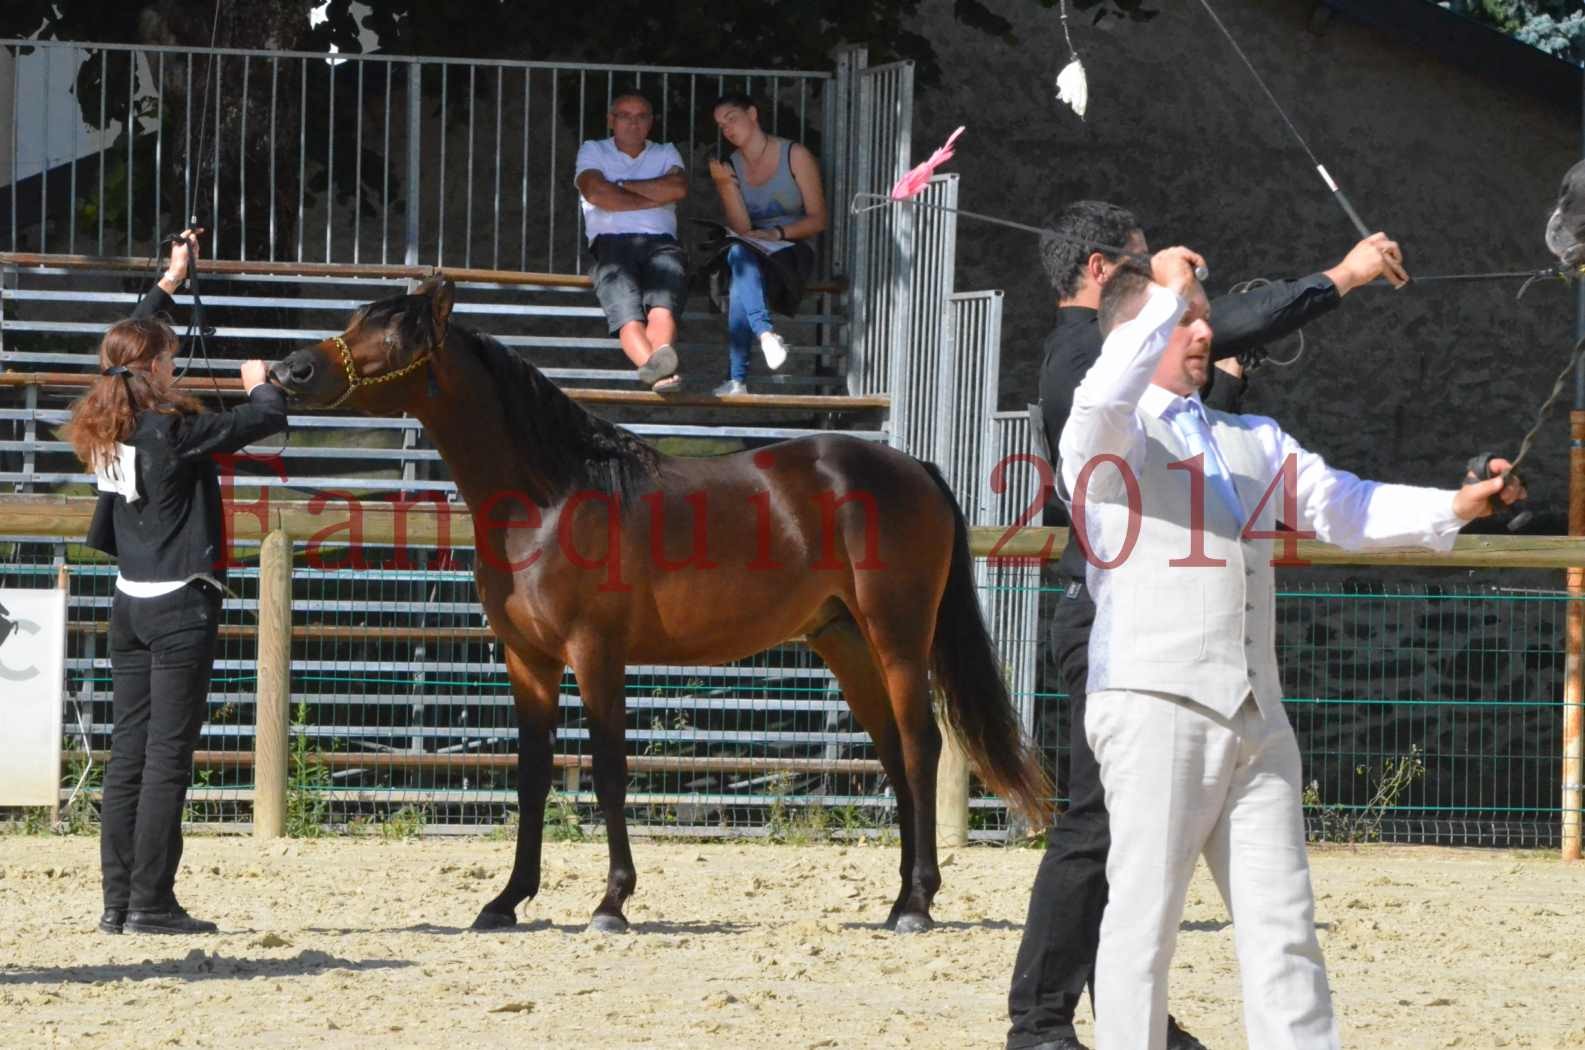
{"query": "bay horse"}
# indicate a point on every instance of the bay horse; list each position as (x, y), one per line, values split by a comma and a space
(596, 551)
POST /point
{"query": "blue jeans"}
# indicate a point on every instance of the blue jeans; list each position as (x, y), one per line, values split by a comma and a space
(747, 316)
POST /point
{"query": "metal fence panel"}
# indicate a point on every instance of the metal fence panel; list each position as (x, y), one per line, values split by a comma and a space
(969, 375)
(402, 714)
(1427, 709)
(1427, 712)
(880, 264)
(1011, 585)
(926, 321)
(347, 158)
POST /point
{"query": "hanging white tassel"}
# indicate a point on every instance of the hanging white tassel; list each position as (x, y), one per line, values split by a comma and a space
(1072, 87)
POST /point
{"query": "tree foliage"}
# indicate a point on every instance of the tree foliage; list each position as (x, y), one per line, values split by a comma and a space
(1554, 26)
(791, 34)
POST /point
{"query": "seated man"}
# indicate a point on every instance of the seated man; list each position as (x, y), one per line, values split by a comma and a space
(1179, 507)
(629, 188)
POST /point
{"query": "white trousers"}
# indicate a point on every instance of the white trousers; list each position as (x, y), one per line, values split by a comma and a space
(1182, 781)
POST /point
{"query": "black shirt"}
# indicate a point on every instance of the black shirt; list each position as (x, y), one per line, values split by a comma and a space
(175, 530)
(1239, 322)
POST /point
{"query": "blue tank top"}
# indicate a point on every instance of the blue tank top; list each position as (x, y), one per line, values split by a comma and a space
(778, 202)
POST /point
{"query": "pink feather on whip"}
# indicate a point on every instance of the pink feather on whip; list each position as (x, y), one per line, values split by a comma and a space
(917, 179)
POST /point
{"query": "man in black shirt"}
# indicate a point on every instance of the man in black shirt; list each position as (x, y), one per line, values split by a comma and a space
(1057, 955)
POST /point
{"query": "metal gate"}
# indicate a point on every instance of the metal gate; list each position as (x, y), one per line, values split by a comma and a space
(880, 257)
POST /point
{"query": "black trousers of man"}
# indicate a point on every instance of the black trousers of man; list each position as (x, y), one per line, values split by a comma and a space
(1056, 958)
(162, 652)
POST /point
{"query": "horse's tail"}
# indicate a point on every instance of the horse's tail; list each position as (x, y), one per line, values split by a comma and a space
(975, 702)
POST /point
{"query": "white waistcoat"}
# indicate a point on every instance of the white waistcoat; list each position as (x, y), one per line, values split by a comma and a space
(1207, 634)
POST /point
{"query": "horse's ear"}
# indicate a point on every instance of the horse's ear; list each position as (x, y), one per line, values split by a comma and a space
(441, 293)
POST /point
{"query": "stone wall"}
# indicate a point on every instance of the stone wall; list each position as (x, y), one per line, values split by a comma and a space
(1461, 168)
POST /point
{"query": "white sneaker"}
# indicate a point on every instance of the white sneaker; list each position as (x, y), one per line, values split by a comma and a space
(775, 351)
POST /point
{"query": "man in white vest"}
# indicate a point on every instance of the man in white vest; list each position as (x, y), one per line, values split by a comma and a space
(1179, 508)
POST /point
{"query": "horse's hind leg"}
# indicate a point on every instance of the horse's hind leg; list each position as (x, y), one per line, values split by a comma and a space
(900, 638)
(600, 682)
(909, 686)
(846, 652)
(535, 687)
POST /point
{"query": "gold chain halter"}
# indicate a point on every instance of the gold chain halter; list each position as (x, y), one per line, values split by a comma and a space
(354, 381)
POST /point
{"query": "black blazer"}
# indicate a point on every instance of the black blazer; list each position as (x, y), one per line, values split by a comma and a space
(175, 530)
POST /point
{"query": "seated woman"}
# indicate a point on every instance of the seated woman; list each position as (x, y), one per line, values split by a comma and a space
(771, 197)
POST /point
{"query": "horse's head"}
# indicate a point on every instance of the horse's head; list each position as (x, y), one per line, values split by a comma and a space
(1565, 230)
(377, 365)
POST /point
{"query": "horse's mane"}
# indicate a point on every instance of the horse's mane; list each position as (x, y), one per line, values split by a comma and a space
(557, 446)
(568, 447)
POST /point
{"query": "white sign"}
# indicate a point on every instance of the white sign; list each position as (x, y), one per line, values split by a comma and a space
(32, 668)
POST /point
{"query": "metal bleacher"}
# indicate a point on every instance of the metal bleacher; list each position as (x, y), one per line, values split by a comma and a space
(398, 678)
(53, 309)
(364, 198)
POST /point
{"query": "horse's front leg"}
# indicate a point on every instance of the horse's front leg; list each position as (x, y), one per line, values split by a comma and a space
(535, 689)
(600, 681)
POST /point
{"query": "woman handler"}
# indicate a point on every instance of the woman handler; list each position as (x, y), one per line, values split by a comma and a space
(159, 516)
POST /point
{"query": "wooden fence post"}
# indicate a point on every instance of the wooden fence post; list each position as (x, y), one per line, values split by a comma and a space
(1573, 766)
(273, 707)
(62, 583)
(952, 791)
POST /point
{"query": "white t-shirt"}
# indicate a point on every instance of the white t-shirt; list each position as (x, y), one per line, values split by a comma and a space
(657, 159)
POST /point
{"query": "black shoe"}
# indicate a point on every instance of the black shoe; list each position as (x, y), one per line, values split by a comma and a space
(174, 921)
(112, 920)
(1178, 1039)
(1066, 1042)
(662, 365)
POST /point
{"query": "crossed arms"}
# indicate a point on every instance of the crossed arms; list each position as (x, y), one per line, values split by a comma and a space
(634, 194)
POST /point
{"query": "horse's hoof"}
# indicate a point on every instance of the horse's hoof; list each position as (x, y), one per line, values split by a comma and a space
(604, 922)
(914, 922)
(494, 920)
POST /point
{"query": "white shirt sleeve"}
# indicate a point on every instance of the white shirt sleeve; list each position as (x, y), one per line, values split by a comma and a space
(1353, 513)
(670, 159)
(1102, 421)
(588, 158)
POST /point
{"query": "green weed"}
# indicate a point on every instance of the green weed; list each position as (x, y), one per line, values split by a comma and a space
(1356, 824)
(307, 812)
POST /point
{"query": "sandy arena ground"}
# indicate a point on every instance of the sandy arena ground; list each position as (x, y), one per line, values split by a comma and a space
(351, 943)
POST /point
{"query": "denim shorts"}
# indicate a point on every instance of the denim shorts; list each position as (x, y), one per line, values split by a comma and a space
(635, 273)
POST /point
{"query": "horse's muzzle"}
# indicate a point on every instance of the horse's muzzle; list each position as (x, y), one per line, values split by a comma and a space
(1565, 228)
(293, 373)
(1563, 240)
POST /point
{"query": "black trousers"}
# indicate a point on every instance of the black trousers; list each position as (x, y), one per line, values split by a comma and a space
(1056, 958)
(162, 651)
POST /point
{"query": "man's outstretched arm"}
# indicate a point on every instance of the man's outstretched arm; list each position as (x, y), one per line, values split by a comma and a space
(1357, 514)
(1248, 319)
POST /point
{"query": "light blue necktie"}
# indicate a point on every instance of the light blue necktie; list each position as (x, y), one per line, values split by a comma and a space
(1190, 423)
